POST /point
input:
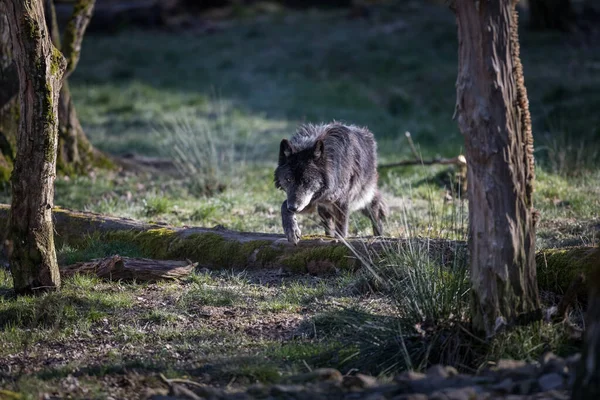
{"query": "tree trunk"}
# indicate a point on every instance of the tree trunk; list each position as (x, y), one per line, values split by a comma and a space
(551, 15)
(75, 153)
(9, 106)
(40, 69)
(493, 116)
(587, 381)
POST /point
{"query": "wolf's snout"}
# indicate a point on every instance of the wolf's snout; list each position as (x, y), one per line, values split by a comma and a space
(292, 208)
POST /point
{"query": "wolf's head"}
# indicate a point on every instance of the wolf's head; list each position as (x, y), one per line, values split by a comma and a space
(301, 174)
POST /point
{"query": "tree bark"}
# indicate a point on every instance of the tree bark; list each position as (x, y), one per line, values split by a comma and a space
(75, 152)
(587, 381)
(551, 15)
(40, 69)
(493, 116)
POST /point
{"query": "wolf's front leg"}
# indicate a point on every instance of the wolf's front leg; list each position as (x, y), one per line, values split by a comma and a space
(341, 215)
(290, 224)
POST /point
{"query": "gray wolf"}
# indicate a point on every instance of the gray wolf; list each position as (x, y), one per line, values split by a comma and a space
(331, 168)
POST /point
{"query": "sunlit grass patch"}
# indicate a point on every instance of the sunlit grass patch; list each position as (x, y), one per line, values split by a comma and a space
(156, 205)
(92, 247)
(205, 295)
(81, 303)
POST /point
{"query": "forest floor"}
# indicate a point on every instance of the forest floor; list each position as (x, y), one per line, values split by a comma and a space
(230, 96)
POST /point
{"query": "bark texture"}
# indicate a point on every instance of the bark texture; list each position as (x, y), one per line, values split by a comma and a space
(587, 382)
(40, 69)
(493, 116)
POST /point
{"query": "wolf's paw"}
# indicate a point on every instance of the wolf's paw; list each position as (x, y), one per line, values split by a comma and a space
(291, 229)
(293, 233)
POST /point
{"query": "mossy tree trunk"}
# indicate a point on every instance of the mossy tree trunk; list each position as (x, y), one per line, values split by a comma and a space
(40, 67)
(75, 153)
(551, 15)
(493, 116)
(587, 382)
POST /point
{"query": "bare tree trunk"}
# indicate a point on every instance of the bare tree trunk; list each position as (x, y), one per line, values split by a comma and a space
(75, 153)
(551, 14)
(493, 116)
(40, 68)
(587, 382)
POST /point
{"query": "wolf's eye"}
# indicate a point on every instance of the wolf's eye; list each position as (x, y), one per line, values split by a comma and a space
(288, 180)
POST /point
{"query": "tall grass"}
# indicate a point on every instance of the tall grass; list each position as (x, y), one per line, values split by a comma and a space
(429, 287)
(428, 282)
(206, 153)
(566, 154)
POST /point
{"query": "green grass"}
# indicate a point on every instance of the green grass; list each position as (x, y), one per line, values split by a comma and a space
(92, 247)
(207, 325)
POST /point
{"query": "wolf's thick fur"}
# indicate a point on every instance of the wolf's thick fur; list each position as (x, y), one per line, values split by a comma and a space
(332, 168)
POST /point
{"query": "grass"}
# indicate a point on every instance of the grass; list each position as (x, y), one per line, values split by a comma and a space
(209, 327)
(229, 98)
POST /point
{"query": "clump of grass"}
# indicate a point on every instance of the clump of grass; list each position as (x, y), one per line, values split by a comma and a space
(160, 317)
(568, 155)
(431, 323)
(432, 302)
(156, 205)
(430, 292)
(203, 151)
(79, 303)
(93, 247)
(205, 295)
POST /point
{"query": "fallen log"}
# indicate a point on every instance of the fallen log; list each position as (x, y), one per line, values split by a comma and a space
(218, 248)
(128, 269)
(460, 160)
(587, 376)
(557, 269)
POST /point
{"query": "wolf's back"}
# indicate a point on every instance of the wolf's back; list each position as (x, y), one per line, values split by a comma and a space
(351, 159)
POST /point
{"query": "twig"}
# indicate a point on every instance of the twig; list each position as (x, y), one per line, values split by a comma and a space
(462, 328)
(230, 382)
(179, 380)
(307, 366)
(412, 146)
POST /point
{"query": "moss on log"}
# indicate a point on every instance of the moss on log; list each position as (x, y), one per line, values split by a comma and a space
(222, 248)
(557, 268)
(217, 248)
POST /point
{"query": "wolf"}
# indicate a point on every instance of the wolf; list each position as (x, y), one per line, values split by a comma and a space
(331, 168)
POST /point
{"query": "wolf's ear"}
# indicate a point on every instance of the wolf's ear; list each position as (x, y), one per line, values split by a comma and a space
(285, 149)
(319, 149)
